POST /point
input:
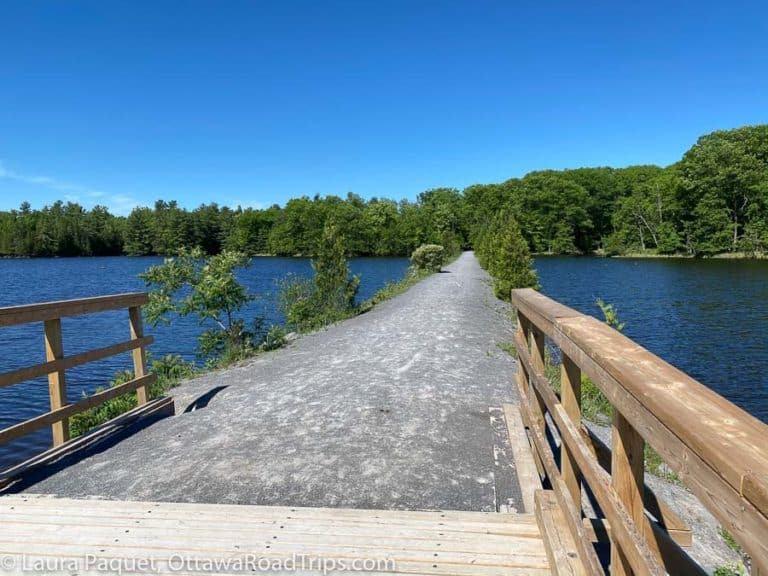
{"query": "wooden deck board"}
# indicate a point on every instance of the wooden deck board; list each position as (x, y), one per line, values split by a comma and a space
(48, 529)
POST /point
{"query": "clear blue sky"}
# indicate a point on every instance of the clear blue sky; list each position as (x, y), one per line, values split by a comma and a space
(121, 103)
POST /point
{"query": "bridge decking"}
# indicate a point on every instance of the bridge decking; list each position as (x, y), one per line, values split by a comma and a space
(83, 532)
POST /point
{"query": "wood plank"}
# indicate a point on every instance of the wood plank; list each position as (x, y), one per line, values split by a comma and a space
(57, 388)
(735, 512)
(522, 378)
(162, 564)
(17, 430)
(627, 470)
(23, 374)
(675, 559)
(12, 315)
(558, 541)
(334, 534)
(667, 518)
(139, 356)
(184, 540)
(712, 445)
(163, 405)
(570, 394)
(571, 510)
(629, 536)
(539, 309)
(525, 468)
(424, 542)
(457, 520)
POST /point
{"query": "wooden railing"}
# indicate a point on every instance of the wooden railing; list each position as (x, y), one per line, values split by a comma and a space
(717, 450)
(56, 364)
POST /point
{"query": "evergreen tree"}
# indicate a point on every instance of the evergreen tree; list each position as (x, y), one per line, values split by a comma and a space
(138, 233)
(508, 258)
(335, 288)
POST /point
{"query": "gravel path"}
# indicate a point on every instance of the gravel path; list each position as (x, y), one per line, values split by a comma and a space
(387, 410)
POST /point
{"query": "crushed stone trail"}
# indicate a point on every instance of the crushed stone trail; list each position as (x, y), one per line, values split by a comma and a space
(390, 409)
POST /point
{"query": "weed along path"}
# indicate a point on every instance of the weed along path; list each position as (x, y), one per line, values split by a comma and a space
(390, 409)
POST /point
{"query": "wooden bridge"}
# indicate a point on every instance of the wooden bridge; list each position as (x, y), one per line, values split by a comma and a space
(587, 507)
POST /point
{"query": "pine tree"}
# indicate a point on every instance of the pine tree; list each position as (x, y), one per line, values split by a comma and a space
(335, 289)
(508, 257)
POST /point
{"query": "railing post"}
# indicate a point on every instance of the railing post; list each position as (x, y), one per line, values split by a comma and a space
(57, 387)
(524, 330)
(139, 355)
(570, 396)
(538, 360)
(627, 470)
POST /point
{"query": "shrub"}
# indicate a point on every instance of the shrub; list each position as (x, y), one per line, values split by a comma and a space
(330, 295)
(274, 338)
(505, 254)
(170, 370)
(735, 569)
(205, 286)
(428, 257)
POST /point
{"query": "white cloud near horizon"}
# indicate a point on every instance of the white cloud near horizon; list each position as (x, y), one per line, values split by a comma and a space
(118, 204)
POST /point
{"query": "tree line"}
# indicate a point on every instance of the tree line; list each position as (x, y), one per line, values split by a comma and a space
(714, 200)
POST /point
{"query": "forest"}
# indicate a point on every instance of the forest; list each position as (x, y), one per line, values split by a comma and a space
(714, 200)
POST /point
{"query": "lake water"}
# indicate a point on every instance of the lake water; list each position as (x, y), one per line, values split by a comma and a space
(709, 318)
(25, 281)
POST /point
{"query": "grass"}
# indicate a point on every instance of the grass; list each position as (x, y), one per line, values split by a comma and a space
(655, 464)
(734, 569)
(392, 289)
(729, 541)
(507, 347)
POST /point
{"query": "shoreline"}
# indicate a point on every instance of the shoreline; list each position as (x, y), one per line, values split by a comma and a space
(652, 256)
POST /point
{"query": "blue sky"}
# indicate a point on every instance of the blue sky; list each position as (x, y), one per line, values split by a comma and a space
(252, 103)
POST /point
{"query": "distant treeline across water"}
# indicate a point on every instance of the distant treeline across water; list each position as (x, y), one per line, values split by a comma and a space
(714, 200)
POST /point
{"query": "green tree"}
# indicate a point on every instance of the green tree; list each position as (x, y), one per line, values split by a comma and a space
(139, 233)
(709, 232)
(330, 295)
(553, 213)
(206, 287)
(170, 228)
(336, 289)
(648, 216)
(506, 256)
(732, 167)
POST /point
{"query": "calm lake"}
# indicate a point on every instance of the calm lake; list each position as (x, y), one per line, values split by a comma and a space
(709, 318)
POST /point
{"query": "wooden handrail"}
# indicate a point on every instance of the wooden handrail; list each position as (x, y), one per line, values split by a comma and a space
(718, 450)
(57, 363)
(26, 313)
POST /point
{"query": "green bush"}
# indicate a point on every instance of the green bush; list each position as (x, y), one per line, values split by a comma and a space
(735, 569)
(274, 338)
(504, 253)
(205, 286)
(330, 295)
(428, 257)
(170, 370)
